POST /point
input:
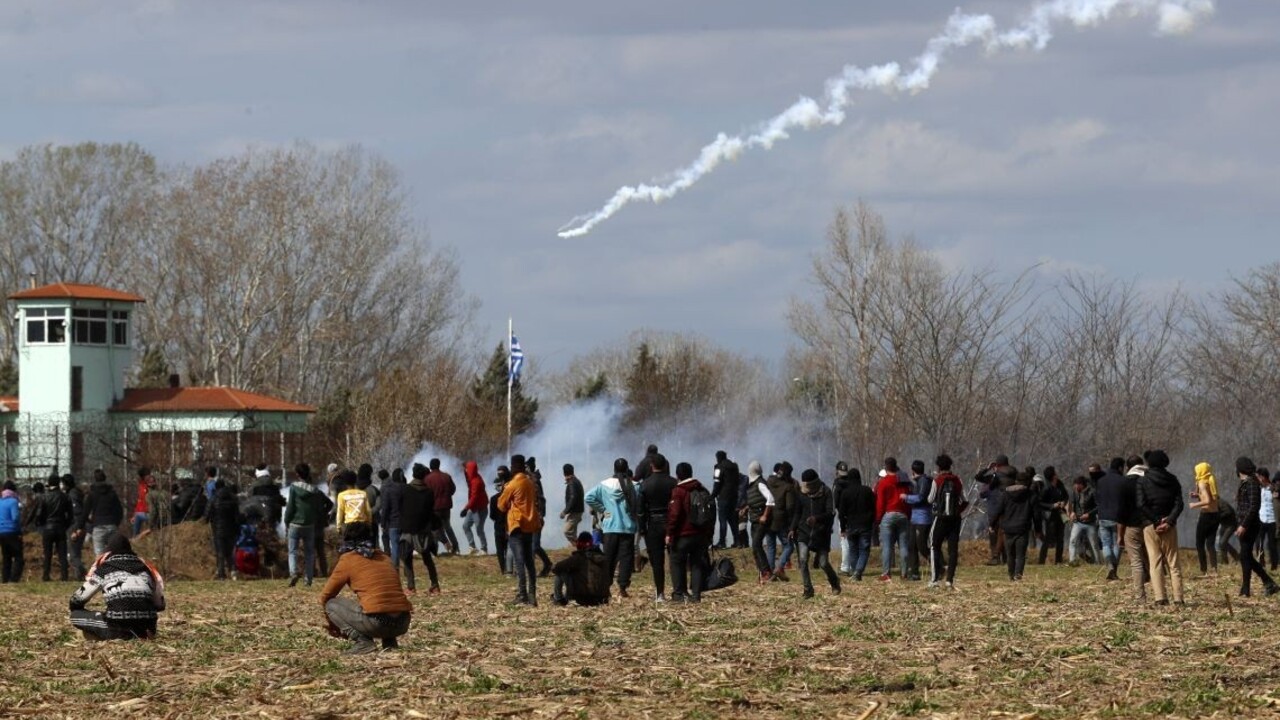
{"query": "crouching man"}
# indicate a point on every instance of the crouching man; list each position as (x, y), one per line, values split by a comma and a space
(583, 577)
(381, 610)
(132, 588)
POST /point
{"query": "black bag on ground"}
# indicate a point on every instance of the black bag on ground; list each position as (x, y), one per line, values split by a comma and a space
(720, 574)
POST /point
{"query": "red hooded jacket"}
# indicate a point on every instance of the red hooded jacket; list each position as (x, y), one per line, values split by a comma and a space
(891, 496)
(477, 497)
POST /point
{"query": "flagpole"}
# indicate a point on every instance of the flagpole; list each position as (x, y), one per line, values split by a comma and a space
(510, 381)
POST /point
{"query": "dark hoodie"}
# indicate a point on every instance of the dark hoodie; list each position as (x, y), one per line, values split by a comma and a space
(102, 506)
(1110, 496)
(816, 513)
(392, 501)
(1159, 496)
(417, 508)
(857, 506)
(1015, 510)
(655, 495)
(785, 502)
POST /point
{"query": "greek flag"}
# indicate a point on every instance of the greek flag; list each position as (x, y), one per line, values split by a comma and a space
(516, 361)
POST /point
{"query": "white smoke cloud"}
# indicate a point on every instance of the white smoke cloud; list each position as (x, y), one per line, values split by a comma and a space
(961, 30)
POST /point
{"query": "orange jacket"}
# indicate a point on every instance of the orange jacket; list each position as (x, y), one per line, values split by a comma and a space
(519, 500)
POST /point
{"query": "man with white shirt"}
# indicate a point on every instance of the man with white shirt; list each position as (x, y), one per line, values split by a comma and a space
(759, 511)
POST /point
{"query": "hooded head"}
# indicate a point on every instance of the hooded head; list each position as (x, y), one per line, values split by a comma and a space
(472, 470)
(684, 471)
(501, 475)
(785, 469)
(754, 471)
(1245, 467)
(721, 456)
(365, 472)
(1204, 475)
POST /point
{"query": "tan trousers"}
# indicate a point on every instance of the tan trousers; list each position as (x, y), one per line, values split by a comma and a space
(1134, 545)
(1162, 553)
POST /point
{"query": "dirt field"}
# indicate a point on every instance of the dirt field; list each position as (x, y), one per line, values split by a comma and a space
(1061, 644)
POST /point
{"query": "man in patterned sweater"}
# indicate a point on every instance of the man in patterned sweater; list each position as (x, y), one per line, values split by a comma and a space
(132, 588)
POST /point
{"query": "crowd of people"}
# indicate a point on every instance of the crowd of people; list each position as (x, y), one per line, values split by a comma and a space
(648, 516)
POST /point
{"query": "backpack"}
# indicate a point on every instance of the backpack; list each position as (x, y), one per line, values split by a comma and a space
(950, 501)
(720, 574)
(702, 508)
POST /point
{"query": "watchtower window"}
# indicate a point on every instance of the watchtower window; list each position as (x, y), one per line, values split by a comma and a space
(119, 327)
(89, 327)
(46, 326)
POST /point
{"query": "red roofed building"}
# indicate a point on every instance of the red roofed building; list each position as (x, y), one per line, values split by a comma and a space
(74, 413)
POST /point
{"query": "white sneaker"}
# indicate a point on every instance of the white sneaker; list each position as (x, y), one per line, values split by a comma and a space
(933, 583)
(951, 585)
(660, 598)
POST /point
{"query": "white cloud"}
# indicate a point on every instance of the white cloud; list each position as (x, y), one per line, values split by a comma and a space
(103, 88)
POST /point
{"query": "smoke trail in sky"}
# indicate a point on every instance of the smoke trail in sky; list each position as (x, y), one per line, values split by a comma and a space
(961, 30)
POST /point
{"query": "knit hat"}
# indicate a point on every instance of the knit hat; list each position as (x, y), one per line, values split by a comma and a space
(809, 476)
(1245, 466)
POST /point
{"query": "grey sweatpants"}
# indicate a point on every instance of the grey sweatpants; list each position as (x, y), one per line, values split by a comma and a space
(351, 619)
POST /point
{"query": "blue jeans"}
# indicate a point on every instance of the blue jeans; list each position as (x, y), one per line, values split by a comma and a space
(393, 538)
(770, 544)
(860, 547)
(894, 527)
(307, 535)
(1110, 545)
(139, 519)
(788, 547)
(1090, 532)
(476, 520)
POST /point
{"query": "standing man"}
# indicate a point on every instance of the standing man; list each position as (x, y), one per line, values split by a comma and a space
(500, 540)
(519, 500)
(614, 500)
(921, 518)
(759, 509)
(838, 486)
(390, 507)
(655, 500)
(892, 515)
(991, 479)
(1248, 504)
(224, 520)
(140, 517)
(574, 505)
(814, 523)
(689, 535)
(54, 517)
(75, 533)
(947, 497)
(476, 511)
(1108, 496)
(103, 511)
(725, 491)
(443, 488)
(1054, 500)
(782, 521)
(417, 530)
(1015, 514)
(1160, 502)
(1131, 527)
(300, 524)
(1084, 520)
(857, 511)
(536, 476)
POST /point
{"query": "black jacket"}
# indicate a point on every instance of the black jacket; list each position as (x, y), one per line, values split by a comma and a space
(586, 576)
(270, 494)
(857, 508)
(1248, 501)
(76, 497)
(655, 495)
(391, 504)
(1015, 511)
(785, 504)
(417, 510)
(1159, 497)
(1110, 496)
(1050, 496)
(573, 496)
(102, 506)
(815, 517)
(224, 510)
(1130, 516)
(1083, 504)
(725, 487)
(53, 514)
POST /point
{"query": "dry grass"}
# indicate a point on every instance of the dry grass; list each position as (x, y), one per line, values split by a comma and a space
(1061, 644)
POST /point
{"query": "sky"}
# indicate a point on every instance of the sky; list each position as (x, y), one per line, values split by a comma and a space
(1116, 150)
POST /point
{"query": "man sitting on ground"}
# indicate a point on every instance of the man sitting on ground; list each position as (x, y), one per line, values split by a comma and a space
(381, 609)
(134, 593)
(583, 577)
